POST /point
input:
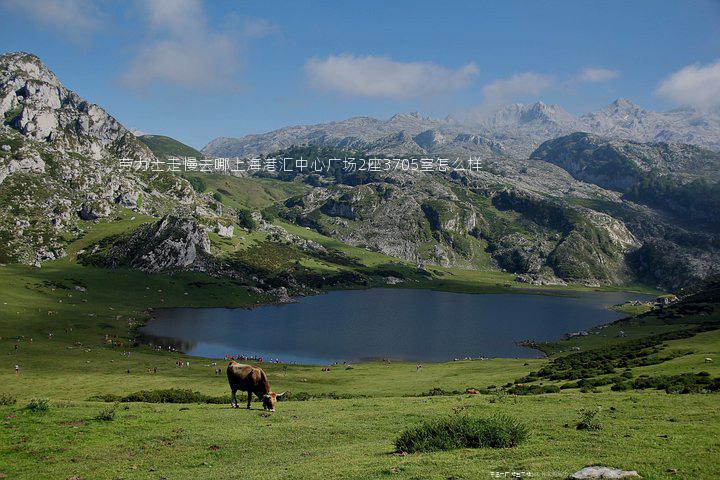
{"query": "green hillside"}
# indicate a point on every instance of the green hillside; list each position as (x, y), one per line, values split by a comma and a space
(164, 147)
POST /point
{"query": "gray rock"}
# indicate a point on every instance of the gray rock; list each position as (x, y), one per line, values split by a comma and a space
(30, 164)
(596, 472)
(225, 230)
(129, 200)
(94, 211)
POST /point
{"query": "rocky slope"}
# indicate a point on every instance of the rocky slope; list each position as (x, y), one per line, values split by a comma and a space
(173, 243)
(512, 131)
(677, 178)
(511, 215)
(624, 119)
(60, 168)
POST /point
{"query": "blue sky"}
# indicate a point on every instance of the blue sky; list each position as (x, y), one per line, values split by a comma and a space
(195, 70)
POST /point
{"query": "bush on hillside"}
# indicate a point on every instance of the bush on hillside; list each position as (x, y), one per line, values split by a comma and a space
(533, 389)
(38, 405)
(198, 184)
(621, 387)
(171, 395)
(7, 399)
(682, 383)
(245, 219)
(439, 392)
(462, 432)
(188, 396)
(589, 420)
(107, 414)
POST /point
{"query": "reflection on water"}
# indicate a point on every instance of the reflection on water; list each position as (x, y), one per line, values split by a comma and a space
(169, 343)
(417, 325)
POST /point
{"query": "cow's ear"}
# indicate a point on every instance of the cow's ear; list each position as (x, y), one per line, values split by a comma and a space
(280, 394)
(266, 396)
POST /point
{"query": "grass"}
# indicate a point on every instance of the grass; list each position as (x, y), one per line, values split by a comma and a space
(251, 193)
(355, 439)
(164, 147)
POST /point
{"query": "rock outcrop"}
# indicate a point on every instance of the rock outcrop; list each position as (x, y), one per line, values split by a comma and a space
(173, 243)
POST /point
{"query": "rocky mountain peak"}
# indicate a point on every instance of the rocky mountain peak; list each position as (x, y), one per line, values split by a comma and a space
(621, 108)
(34, 102)
(406, 116)
(28, 65)
(429, 139)
(519, 114)
(60, 154)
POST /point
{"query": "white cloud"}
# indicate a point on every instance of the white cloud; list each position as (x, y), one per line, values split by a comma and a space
(258, 28)
(591, 74)
(372, 76)
(182, 49)
(695, 85)
(500, 91)
(74, 19)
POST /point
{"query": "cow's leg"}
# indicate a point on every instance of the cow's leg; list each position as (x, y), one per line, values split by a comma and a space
(249, 399)
(233, 401)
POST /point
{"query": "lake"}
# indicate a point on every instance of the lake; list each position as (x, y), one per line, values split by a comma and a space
(414, 325)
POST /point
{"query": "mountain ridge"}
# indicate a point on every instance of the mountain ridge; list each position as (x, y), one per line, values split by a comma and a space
(517, 129)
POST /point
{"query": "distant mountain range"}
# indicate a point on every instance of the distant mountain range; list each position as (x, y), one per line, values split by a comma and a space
(512, 131)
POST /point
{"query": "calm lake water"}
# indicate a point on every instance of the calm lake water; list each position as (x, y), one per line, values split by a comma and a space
(416, 325)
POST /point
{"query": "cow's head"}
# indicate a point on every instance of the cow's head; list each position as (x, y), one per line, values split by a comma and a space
(269, 400)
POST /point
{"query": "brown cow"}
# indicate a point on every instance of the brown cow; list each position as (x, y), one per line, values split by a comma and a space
(251, 380)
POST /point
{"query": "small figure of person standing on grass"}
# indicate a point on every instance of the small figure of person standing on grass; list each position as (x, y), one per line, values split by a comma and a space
(17, 369)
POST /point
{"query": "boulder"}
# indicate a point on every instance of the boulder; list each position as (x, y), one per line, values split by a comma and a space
(129, 199)
(93, 212)
(225, 230)
(595, 472)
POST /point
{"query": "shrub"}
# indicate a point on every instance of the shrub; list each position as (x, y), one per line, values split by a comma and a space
(439, 392)
(462, 432)
(498, 396)
(268, 216)
(107, 414)
(172, 395)
(604, 361)
(620, 387)
(588, 419)
(245, 219)
(38, 405)
(197, 184)
(7, 399)
(682, 383)
(533, 389)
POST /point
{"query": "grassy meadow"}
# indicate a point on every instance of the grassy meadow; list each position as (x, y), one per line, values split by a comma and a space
(340, 423)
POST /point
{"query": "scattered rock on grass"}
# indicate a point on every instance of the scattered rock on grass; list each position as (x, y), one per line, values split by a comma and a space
(597, 472)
